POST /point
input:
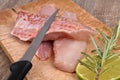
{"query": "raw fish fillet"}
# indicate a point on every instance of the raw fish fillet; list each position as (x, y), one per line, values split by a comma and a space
(64, 26)
(68, 53)
(67, 26)
(45, 50)
(28, 24)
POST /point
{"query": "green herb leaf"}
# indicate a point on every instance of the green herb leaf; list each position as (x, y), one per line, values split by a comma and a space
(95, 45)
(92, 59)
(103, 35)
(86, 65)
(113, 55)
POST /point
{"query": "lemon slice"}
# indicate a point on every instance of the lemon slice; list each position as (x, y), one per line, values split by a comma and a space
(113, 72)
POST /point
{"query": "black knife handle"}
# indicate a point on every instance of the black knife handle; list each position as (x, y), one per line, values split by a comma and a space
(19, 70)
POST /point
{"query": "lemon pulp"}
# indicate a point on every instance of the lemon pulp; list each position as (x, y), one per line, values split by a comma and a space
(113, 72)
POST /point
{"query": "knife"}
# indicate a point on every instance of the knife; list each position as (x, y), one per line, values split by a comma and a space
(20, 68)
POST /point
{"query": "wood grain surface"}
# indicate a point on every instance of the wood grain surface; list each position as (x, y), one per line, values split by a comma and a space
(107, 11)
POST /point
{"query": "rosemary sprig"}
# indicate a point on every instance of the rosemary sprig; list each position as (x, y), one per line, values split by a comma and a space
(104, 53)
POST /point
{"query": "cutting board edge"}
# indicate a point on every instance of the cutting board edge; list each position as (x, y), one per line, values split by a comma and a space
(6, 51)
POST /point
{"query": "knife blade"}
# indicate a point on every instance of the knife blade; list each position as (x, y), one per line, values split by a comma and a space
(20, 68)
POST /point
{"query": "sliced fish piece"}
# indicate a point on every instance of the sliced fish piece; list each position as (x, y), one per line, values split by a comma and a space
(28, 24)
(67, 26)
(68, 53)
(45, 51)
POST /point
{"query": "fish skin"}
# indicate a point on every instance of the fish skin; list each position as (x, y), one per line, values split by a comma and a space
(67, 26)
(28, 24)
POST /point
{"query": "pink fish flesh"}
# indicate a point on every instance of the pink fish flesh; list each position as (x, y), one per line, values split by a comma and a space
(28, 24)
(68, 53)
(45, 50)
(68, 27)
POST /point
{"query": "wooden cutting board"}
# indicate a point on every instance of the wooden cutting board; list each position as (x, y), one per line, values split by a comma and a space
(14, 48)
